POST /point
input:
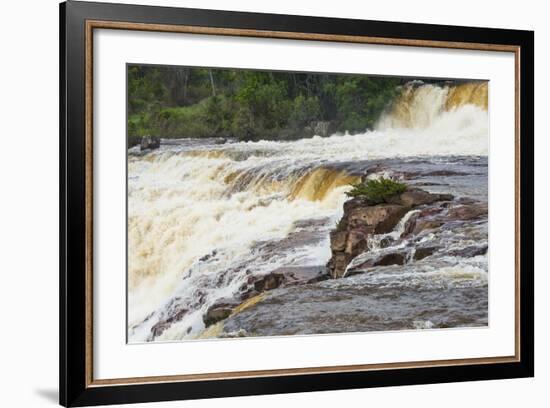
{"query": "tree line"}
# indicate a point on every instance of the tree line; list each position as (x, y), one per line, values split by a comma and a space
(179, 102)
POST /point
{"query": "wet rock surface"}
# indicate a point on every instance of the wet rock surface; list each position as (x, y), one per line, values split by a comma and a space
(149, 143)
(380, 218)
(219, 311)
(468, 211)
(355, 305)
(432, 277)
(361, 220)
(416, 262)
(423, 252)
(174, 314)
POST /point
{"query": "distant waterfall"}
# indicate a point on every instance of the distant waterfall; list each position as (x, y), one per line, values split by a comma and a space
(421, 106)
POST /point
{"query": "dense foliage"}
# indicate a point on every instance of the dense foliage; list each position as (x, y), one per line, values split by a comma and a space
(177, 102)
(377, 190)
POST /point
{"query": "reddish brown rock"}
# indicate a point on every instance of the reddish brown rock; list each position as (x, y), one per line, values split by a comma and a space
(393, 258)
(430, 211)
(359, 222)
(353, 203)
(338, 240)
(338, 264)
(218, 312)
(382, 218)
(269, 282)
(424, 225)
(468, 212)
(163, 324)
(414, 197)
(356, 240)
(409, 226)
(362, 219)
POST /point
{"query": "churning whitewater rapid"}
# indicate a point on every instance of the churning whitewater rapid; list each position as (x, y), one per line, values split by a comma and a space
(206, 217)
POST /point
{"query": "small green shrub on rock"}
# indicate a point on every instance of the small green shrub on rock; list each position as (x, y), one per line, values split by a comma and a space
(377, 190)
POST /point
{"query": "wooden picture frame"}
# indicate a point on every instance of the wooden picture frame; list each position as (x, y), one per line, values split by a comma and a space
(78, 20)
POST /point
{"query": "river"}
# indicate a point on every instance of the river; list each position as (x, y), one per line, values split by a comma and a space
(206, 217)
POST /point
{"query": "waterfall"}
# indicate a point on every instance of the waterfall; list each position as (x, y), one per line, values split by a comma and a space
(422, 106)
(182, 206)
(200, 214)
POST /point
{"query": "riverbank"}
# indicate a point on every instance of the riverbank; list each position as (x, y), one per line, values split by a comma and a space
(247, 105)
(179, 102)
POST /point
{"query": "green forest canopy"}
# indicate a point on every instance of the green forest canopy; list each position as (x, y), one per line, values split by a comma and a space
(179, 102)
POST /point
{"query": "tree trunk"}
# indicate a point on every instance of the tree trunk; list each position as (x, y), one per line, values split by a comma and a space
(212, 82)
(186, 80)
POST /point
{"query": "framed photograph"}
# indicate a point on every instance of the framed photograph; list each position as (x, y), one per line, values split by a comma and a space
(256, 204)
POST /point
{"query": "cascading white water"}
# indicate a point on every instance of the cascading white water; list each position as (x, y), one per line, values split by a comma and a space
(417, 107)
(179, 211)
(424, 106)
(198, 212)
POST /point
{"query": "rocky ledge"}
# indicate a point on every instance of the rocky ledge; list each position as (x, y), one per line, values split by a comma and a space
(254, 290)
(363, 223)
(363, 219)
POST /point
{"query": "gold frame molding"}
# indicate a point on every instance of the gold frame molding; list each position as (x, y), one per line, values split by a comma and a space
(117, 25)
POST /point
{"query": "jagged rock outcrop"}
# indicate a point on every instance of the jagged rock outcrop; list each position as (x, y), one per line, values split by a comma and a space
(257, 286)
(361, 220)
(468, 211)
(269, 282)
(149, 143)
(219, 311)
(167, 320)
(423, 252)
(414, 197)
(378, 219)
